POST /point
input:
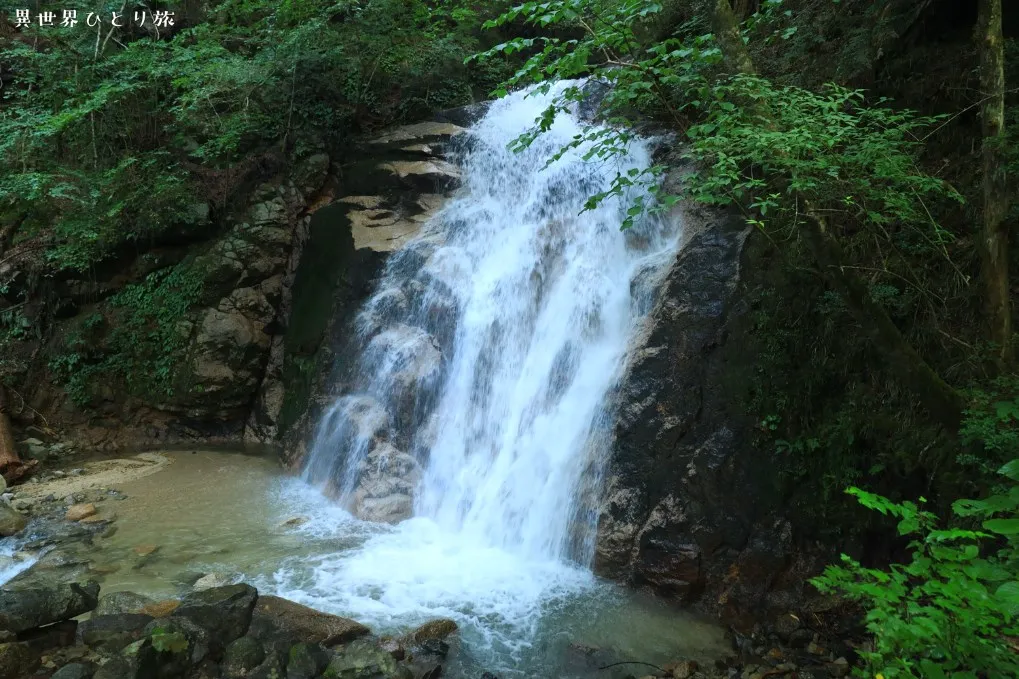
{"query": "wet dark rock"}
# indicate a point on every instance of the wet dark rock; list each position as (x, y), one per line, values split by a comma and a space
(114, 631)
(17, 660)
(688, 508)
(224, 611)
(433, 672)
(271, 668)
(57, 635)
(121, 602)
(242, 656)
(393, 647)
(435, 647)
(200, 643)
(74, 670)
(362, 660)
(280, 620)
(24, 609)
(439, 628)
(801, 638)
(786, 624)
(306, 661)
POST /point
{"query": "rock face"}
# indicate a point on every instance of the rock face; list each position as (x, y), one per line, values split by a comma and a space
(244, 279)
(686, 509)
(386, 198)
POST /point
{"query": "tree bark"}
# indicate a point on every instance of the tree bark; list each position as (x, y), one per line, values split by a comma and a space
(12, 467)
(995, 183)
(936, 395)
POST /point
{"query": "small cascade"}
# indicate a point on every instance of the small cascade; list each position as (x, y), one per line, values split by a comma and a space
(491, 344)
(479, 411)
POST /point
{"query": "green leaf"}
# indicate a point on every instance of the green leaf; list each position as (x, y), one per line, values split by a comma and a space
(1002, 526)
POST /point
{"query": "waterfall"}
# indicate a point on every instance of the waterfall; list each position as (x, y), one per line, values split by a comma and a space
(478, 408)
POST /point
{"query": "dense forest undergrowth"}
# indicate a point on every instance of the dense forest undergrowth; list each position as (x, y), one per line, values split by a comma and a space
(872, 145)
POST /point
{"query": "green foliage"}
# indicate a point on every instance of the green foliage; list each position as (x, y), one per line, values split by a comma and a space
(991, 426)
(99, 138)
(760, 146)
(855, 162)
(951, 610)
(144, 339)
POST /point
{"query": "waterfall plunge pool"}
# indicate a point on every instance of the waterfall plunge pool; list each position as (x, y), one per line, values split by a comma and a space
(240, 517)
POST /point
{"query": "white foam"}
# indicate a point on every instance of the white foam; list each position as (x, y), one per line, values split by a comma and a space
(537, 304)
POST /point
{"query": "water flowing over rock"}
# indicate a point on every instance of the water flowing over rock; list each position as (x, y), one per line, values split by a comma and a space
(487, 351)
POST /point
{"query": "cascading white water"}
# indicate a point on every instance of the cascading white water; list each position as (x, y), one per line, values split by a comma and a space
(488, 354)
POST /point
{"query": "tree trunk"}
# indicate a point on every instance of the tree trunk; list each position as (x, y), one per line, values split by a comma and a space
(943, 402)
(12, 467)
(995, 183)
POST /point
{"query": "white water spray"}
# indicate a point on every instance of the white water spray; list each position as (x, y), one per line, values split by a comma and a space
(489, 352)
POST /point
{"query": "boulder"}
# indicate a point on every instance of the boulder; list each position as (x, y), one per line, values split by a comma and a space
(271, 668)
(17, 660)
(188, 643)
(362, 660)
(25, 609)
(439, 628)
(224, 611)
(58, 635)
(241, 656)
(306, 661)
(121, 602)
(113, 632)
(687, 499)
(280, 619)
(11, 522)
